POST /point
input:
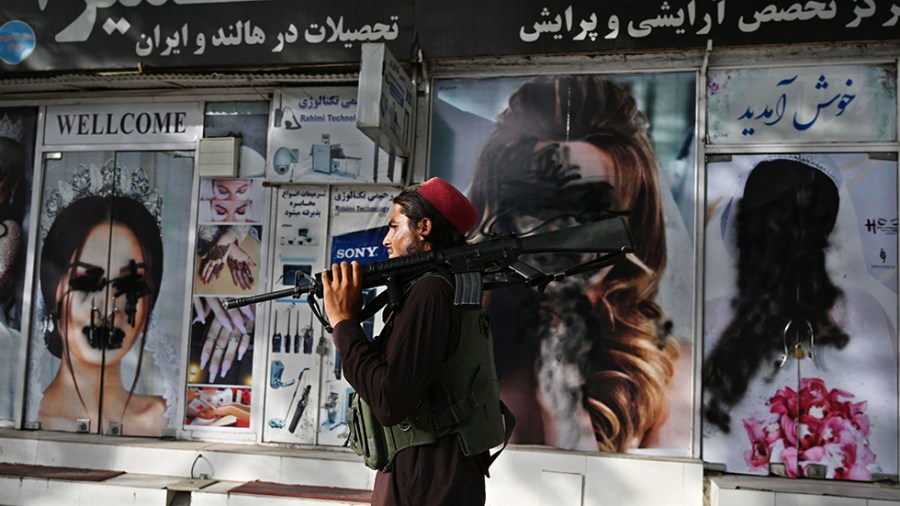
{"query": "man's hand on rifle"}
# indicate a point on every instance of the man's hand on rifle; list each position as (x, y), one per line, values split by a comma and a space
(342, 291)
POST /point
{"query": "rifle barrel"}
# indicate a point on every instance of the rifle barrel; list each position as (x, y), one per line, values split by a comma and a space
(233, 302)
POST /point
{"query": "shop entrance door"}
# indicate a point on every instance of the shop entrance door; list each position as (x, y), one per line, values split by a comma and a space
(109, 291)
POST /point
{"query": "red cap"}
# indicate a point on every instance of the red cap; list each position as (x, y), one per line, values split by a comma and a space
(451, 203)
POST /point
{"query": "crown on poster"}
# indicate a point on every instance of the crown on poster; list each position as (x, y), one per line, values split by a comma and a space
(103, 181)
(12, 130)
(821, 162)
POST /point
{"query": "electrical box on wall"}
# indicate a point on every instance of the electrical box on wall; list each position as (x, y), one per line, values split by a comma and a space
(218, 156)
(386, 100)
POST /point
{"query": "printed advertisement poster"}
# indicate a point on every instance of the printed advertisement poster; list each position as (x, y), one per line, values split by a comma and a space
(109, 310)
(227, 261)
(294, 341)
(847, 103)
(800, 328)
(231, 200)
(359, 217)
(17, 131)
(295, 354)
(304, 369)
(600, 361)
(313, 139)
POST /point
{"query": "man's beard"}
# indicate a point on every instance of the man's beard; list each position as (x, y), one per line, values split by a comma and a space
(407, 246)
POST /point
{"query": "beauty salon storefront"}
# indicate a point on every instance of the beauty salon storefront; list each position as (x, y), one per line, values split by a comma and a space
(173, 156)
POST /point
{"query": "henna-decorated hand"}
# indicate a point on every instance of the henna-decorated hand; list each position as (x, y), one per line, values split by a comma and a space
(241, 274)
(212, 262)
(240, 263)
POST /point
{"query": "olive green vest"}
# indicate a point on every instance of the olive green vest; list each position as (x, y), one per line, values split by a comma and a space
(463, 400)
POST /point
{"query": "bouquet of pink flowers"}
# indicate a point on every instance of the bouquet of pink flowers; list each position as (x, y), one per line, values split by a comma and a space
(818, 426)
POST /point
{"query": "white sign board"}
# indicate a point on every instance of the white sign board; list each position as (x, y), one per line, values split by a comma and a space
(847, 103)
(313, 139)
(136, 123)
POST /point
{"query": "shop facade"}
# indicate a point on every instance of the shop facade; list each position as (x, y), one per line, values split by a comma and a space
(169, 165)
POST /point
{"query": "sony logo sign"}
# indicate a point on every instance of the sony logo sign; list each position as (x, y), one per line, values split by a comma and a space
(356, 253)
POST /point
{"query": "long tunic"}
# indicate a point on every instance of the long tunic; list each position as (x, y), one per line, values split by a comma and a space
(392, 375)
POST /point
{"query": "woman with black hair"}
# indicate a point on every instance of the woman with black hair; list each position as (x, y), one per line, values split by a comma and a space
(797, 379)
(12, 241)
(13, 165)
(101, 268)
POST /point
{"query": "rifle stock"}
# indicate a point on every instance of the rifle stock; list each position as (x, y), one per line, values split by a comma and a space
(471, 262)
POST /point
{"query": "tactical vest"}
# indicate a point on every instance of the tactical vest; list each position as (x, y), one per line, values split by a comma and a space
(462, 400)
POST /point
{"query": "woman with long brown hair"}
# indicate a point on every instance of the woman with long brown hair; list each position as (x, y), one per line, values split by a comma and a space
(591, 354)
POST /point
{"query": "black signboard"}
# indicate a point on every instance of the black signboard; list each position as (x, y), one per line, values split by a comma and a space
(176, 34)
(37, 35)
(478, 28)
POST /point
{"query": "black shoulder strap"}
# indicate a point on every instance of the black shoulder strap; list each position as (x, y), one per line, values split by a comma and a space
(374, 306)
(383, 298)
(509, 421)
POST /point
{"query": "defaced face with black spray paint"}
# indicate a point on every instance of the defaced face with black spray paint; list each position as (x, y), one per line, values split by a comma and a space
(101, 267)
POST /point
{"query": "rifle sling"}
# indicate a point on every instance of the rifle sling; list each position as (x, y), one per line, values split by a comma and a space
(374, 306)
(509, 422)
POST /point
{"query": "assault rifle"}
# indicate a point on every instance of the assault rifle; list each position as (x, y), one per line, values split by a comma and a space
(475, 267)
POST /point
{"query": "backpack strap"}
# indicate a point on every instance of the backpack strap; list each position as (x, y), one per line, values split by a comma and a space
(509, 422)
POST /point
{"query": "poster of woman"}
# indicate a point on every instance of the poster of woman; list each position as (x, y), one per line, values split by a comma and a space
(226, 263)
(231, 200)
(599, 361)
(17, 130)
(800, 344)
(110, 298)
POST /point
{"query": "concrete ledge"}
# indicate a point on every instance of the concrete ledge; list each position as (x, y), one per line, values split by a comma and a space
(522, 476)
(732, 489)
(38, 491)
(147, 490)
(337, 468)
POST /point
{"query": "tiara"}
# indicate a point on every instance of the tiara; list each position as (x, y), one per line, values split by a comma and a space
(105, 181)
(8, 129)
(820, 162)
